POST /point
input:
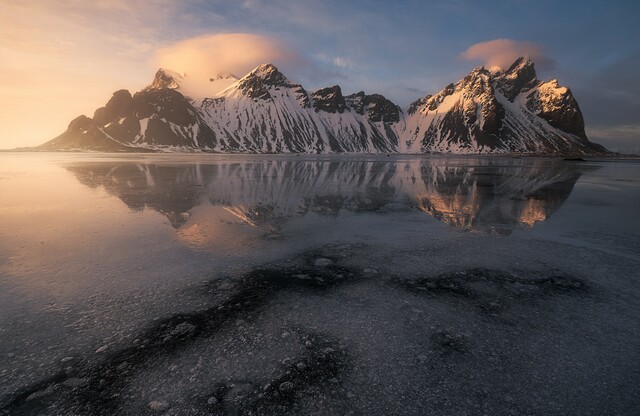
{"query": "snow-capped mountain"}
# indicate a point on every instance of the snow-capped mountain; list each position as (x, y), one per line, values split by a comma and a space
(503, 111)
(264, 112)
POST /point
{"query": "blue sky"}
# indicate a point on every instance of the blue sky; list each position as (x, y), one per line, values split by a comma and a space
(66, 57)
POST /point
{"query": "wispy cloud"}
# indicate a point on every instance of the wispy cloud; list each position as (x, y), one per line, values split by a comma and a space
(343, 62)
(623, 138)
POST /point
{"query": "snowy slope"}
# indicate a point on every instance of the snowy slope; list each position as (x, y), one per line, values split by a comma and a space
(265, 112)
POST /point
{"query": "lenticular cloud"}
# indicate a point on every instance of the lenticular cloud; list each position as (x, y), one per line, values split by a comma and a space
(501, 53)
(232, 53)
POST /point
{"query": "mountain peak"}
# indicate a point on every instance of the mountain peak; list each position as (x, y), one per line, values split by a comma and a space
(257, 83)
(165, 78)
(268, 74)
(520, 63)
(264, 69)
(520, 76)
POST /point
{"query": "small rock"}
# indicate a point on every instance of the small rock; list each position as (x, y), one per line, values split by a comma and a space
(11, 355)
(212, 400)
(74, 382)
(370, 271)
(301, 365)
(101, 349)
(323, 262)
(302, 276)
(182, 329)
(286, 387)
(67, 359)
(40, 393)
(158, 405)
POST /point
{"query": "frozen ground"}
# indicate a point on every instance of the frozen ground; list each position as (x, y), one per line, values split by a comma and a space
(318, 285)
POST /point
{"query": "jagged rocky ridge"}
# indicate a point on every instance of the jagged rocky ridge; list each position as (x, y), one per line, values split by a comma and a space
(264, 112)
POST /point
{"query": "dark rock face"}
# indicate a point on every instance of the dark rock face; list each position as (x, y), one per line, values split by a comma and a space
(435, 101)
(257, 83)
(414, 106)
(83, 133)
(118, 106)
(521, 76)
(562, 112)
(375, 106)
(152, 116)
(329, 99)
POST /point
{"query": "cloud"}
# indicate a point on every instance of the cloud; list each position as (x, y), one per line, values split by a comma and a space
(503, 52)
(234, 53)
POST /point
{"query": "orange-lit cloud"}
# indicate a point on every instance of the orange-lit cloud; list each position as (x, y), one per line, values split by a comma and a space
(503, 52)
(232, 53)
(61, 59)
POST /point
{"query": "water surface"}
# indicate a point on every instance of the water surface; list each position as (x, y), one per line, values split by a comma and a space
(330, 284)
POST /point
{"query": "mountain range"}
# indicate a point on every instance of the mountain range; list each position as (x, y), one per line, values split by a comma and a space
(497, 111)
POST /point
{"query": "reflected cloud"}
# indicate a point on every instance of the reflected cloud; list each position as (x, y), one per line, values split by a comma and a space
(487, 195)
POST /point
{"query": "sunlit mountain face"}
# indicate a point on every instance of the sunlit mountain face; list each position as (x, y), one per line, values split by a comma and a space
(489, 196)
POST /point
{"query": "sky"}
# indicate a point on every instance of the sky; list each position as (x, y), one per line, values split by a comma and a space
(62, 58)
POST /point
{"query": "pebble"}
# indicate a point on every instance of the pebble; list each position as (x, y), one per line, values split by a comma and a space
(323, 262)
(185, 328)
(74, 382)
(101, 349)
(370, 271)
(286, 386)
(212, 400)
(67, 359)
(158, 406)
(40, 393)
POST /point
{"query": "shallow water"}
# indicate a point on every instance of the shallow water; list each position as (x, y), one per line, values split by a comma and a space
(235, 284)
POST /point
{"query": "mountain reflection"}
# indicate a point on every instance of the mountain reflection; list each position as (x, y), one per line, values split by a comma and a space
(486, 195)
